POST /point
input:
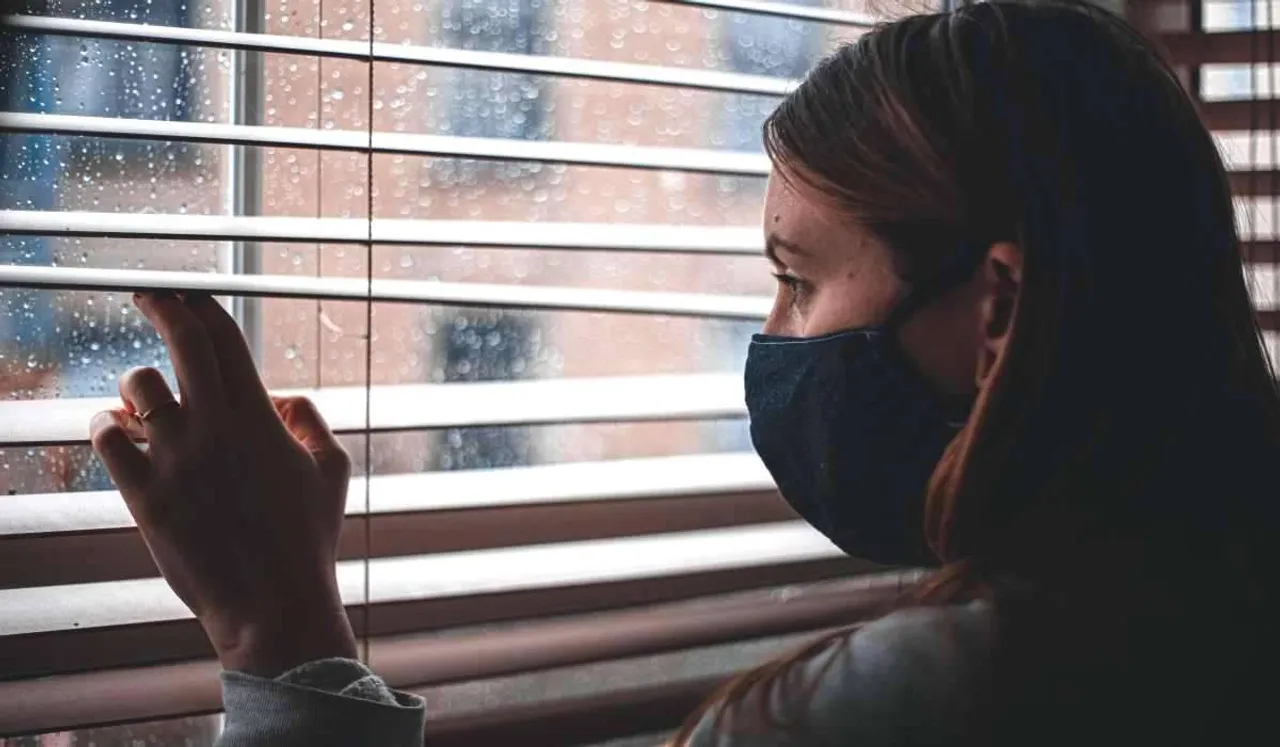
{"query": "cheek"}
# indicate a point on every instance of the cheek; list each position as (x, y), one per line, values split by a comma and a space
(944, 342)
(848, 303)
(848, 300)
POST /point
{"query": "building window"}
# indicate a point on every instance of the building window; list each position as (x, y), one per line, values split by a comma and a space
(484, 104)
(761, 45)
(510, 106)
(111, 78)
(484, 345)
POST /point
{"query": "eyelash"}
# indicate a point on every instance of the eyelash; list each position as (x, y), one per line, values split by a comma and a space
(793, 283)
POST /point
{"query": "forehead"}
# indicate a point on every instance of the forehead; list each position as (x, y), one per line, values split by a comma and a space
(796, 214)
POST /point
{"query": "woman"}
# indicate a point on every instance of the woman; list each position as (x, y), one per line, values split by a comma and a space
(1012, 335)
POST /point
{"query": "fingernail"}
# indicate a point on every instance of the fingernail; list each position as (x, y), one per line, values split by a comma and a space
(197, 296)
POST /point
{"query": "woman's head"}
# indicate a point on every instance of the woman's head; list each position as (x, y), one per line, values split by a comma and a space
(1011, 310)
(1025, 195)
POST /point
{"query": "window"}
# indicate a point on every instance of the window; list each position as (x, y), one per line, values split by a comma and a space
(486, 104)
(44, 345)
(492, 346)
(530, 353)
(109, 78)
(1232, 81)
(26, 183)
(483, 104)
(761, 45)
(1237, 83)
(116, 78)
(487, 347)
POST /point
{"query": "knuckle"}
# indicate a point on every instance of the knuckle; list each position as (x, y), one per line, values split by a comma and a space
(185, 336)
(140, 377)
(204, 446)
(335, 465)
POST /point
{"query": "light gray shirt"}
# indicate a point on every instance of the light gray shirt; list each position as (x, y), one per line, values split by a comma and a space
(910, 678)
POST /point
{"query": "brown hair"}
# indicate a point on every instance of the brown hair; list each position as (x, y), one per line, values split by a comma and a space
(1109, 492)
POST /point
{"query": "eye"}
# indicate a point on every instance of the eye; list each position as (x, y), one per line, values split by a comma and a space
(796, 287)
(791, 281)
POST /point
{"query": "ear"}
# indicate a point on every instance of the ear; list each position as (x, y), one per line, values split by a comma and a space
(1001, 281)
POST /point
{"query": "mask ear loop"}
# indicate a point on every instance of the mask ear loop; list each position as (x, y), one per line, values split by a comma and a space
(958, 268)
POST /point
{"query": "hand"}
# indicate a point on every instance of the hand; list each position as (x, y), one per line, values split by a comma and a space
(240, 496)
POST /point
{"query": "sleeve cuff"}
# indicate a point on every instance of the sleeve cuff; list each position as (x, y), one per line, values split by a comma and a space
(327, 702)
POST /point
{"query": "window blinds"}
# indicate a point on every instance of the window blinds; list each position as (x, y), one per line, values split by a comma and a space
(88, 632)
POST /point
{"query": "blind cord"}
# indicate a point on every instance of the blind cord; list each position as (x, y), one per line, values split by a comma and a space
(368, 347)
(319, 200)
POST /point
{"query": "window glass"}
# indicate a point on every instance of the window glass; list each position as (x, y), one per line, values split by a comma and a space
(485, 346)
(615, 30)
(761, 45)
(109, 78)
(484, 104)
(1238, 15)
(1219, 81)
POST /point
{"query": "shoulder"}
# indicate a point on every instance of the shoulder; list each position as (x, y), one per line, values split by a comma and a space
(907, 678)
(913, 662)
(921, 646)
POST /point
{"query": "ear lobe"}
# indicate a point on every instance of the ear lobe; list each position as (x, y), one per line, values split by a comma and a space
(1001, 282)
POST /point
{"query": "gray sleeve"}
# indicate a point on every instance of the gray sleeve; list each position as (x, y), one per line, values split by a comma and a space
(329, 702)
(906, 679)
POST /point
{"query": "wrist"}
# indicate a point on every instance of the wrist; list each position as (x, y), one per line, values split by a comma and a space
(269, 649)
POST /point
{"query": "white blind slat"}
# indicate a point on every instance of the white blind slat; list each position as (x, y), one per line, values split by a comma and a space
(621, 479)
(135, 602)
(533, 297)
(730, 240)
(498, 62)
(427, 406)
(694, 160)
(785, 10)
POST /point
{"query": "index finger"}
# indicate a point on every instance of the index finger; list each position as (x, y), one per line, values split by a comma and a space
(245, 388)
(190, 349)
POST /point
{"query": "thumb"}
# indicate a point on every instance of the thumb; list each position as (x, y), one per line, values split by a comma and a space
(110, 433)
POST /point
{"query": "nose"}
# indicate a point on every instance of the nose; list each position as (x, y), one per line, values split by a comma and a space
(778, 321)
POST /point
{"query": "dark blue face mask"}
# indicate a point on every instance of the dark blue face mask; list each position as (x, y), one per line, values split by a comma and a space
(851, 433)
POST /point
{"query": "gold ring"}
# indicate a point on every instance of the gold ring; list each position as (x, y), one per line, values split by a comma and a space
(145, 416)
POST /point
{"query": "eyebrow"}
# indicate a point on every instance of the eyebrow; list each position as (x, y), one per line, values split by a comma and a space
(771, 244)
